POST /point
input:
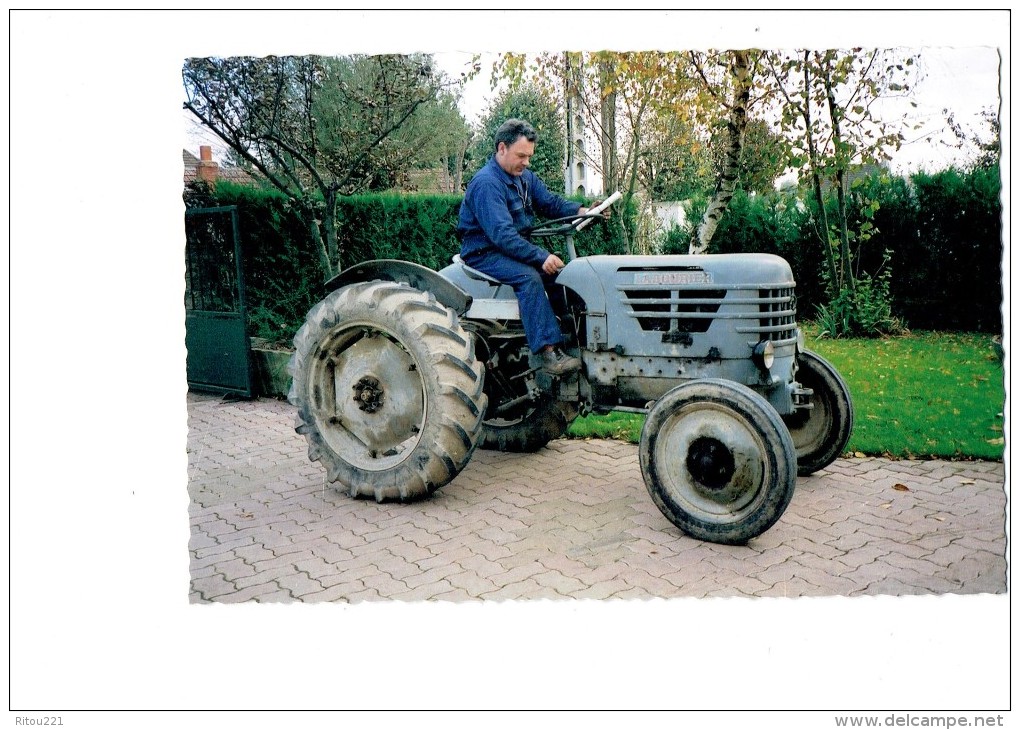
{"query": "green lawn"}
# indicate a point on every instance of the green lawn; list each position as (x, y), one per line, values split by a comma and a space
(926, 394)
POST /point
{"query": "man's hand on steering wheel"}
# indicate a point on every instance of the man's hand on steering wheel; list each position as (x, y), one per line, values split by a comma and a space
(573, 223)
(605, 214)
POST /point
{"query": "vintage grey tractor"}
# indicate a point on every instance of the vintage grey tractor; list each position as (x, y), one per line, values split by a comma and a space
(401, 372)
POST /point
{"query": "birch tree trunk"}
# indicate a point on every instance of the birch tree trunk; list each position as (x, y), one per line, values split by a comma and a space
(729, 172)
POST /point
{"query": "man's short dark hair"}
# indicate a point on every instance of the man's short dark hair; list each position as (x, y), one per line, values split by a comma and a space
(513, 129)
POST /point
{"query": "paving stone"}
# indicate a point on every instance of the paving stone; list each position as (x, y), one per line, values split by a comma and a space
(869, 553)
(528, 552)
(604, 573)
(456, 595)
(331, 552)
(236, 568)
(640, 579)
(435, 574)
(333, 594)
(524, 589)
(369, 594)
(425, 592)
(213, 586)
(314, 566)
(949, 554)
(517, 574)
(573, 519)
(748, 585)
(740, 564)
(385, 584)
(199, 540)
(907, 549)
(490, 551)
(601, 591)
(224, 547)
(635, 593)
(481, 566)
(868, 574)
(265, 576)
(562, 584)
(655, 565)
(797, 587)
(474, 584)
(251, 593)
(699, 588)
(496, 535)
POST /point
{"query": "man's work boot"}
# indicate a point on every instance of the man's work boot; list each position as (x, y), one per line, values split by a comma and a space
(557, 362)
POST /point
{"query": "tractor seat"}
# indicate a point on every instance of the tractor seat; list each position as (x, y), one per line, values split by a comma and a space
(475, 273)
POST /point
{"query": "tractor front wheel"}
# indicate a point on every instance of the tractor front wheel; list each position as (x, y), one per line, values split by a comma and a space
(718, 461)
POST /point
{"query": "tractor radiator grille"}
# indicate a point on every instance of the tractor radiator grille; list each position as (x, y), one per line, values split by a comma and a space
(778, 320)
(678, 310)
(673, 310)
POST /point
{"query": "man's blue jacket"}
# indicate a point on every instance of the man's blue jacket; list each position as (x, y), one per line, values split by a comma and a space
(498, 207)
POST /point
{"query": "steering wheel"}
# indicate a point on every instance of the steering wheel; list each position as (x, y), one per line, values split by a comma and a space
(561, 226)
(573, 223)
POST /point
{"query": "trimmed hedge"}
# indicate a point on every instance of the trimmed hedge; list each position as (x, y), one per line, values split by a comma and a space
(418, 228)
(949, 275)
(943, 232)
(283, 279)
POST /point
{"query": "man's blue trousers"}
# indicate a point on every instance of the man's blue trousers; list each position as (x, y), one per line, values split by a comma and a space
(529, 284)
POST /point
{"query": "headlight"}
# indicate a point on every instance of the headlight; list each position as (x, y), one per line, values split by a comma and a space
(764, 354)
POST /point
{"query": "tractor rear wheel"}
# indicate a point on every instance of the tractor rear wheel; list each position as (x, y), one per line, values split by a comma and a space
(718, 461)
(388, 391)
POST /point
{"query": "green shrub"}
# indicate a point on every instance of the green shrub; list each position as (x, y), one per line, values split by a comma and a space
(864, 312)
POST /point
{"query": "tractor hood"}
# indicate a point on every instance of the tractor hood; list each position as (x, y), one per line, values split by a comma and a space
(598, 278)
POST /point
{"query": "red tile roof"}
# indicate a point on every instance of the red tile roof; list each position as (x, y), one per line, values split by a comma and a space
(233, 174)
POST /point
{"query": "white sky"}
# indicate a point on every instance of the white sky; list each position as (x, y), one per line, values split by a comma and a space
(98, 502)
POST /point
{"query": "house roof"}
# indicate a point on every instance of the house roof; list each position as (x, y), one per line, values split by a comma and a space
(233, 174)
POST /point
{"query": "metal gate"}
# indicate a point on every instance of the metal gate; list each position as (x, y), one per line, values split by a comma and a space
(217, 332)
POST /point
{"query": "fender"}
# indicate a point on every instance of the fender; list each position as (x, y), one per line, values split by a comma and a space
(580, 276)
(415, 275)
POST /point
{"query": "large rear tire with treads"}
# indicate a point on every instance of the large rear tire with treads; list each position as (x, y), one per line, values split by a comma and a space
(388, 392)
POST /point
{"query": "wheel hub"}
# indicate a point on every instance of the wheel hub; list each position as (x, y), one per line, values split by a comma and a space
(368, 394)
(710, 462)
(375, 408)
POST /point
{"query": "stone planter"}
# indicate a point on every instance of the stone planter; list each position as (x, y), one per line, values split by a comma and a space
(269, 370)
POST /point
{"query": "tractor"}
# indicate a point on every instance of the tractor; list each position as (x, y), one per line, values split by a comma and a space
(401, 372)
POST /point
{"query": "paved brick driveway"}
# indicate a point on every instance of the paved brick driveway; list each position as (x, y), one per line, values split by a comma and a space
(572, 521)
